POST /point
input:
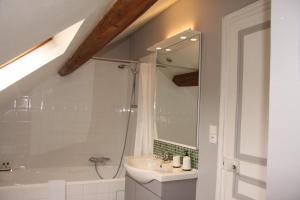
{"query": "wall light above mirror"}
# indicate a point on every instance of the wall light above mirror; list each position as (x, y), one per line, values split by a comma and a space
(177, 88)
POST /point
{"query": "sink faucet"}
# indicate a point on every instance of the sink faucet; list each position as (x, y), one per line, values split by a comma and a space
(166, 156)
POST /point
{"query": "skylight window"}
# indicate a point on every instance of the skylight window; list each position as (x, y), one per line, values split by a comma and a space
(35, 58)
(25, 53)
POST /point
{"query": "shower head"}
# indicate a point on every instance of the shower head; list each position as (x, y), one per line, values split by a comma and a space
(132, 68)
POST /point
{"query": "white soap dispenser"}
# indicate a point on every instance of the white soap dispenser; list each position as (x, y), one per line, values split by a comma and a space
(176, 161)
(186, 164)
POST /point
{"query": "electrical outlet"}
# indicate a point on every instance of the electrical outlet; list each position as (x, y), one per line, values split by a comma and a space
(213, 135)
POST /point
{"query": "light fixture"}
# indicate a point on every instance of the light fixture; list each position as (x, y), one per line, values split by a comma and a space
(158, 48)
(183, 37)
(180, 29)
(193, 39)
(168, 49)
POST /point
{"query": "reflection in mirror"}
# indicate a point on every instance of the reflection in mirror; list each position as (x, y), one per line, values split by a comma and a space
(177, 89)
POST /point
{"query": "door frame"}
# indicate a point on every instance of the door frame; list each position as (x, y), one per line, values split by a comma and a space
(226, 20)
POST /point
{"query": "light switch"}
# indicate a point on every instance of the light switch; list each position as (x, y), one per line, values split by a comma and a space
(213, 134)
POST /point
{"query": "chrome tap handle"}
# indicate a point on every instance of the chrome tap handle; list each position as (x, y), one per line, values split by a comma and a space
(166, 156)
(99, 159)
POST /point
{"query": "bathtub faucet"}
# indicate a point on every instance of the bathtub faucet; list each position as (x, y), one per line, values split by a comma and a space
(98, 159)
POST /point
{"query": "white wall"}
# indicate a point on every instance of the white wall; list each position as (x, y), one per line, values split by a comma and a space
(65, 120)
(284, 126)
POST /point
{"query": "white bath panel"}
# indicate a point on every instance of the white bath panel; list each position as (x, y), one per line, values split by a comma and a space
(120, 195)
(91, 197)
(74, 198)
(91, 188)
(30, 192)
(75, 190)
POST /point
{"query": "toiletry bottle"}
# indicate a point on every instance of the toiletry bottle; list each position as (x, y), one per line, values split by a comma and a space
(186, 165)
(176, 161)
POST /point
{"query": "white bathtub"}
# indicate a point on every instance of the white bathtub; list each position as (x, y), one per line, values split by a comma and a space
(82, 183)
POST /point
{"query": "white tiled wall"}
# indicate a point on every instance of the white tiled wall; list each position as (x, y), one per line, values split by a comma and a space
(65, 120)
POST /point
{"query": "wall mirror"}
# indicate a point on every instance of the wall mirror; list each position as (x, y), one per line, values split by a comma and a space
(177, 88)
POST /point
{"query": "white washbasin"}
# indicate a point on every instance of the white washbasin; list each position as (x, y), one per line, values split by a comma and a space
(147, 168)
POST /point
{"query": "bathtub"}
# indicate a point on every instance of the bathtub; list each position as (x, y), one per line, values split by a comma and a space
(81, 183)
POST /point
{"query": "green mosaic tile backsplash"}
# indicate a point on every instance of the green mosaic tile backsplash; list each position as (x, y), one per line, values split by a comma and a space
(160, 147)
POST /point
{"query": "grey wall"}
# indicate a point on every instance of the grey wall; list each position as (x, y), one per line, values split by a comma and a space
(204, 16)
(284, 126)
(117, 50)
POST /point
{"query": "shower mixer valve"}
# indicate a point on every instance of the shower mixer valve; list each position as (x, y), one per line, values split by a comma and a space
(99, 159)
(5, 166)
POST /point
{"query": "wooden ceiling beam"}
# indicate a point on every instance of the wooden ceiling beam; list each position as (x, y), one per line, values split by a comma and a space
(119, 17)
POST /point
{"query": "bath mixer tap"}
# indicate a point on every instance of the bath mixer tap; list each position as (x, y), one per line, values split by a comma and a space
(98, 159)
(5, 167)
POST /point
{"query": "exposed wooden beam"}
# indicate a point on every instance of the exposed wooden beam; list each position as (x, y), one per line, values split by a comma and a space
(118, 18)
(188, 79)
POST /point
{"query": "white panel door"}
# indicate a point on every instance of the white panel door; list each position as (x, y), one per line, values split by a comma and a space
(244, 103)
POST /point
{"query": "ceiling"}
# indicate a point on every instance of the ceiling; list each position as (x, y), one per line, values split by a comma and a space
(25, 24)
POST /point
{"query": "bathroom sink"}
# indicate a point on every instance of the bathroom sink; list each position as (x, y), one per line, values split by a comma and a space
(145, 169)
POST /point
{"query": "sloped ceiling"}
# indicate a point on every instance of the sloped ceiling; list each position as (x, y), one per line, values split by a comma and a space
(27, 23)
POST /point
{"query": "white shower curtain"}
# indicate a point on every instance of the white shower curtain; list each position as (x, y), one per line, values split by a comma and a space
(146, 126)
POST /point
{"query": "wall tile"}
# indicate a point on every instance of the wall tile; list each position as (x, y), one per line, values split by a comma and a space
(64, 121)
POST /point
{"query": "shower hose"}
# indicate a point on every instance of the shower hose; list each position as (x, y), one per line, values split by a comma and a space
(127, 128)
